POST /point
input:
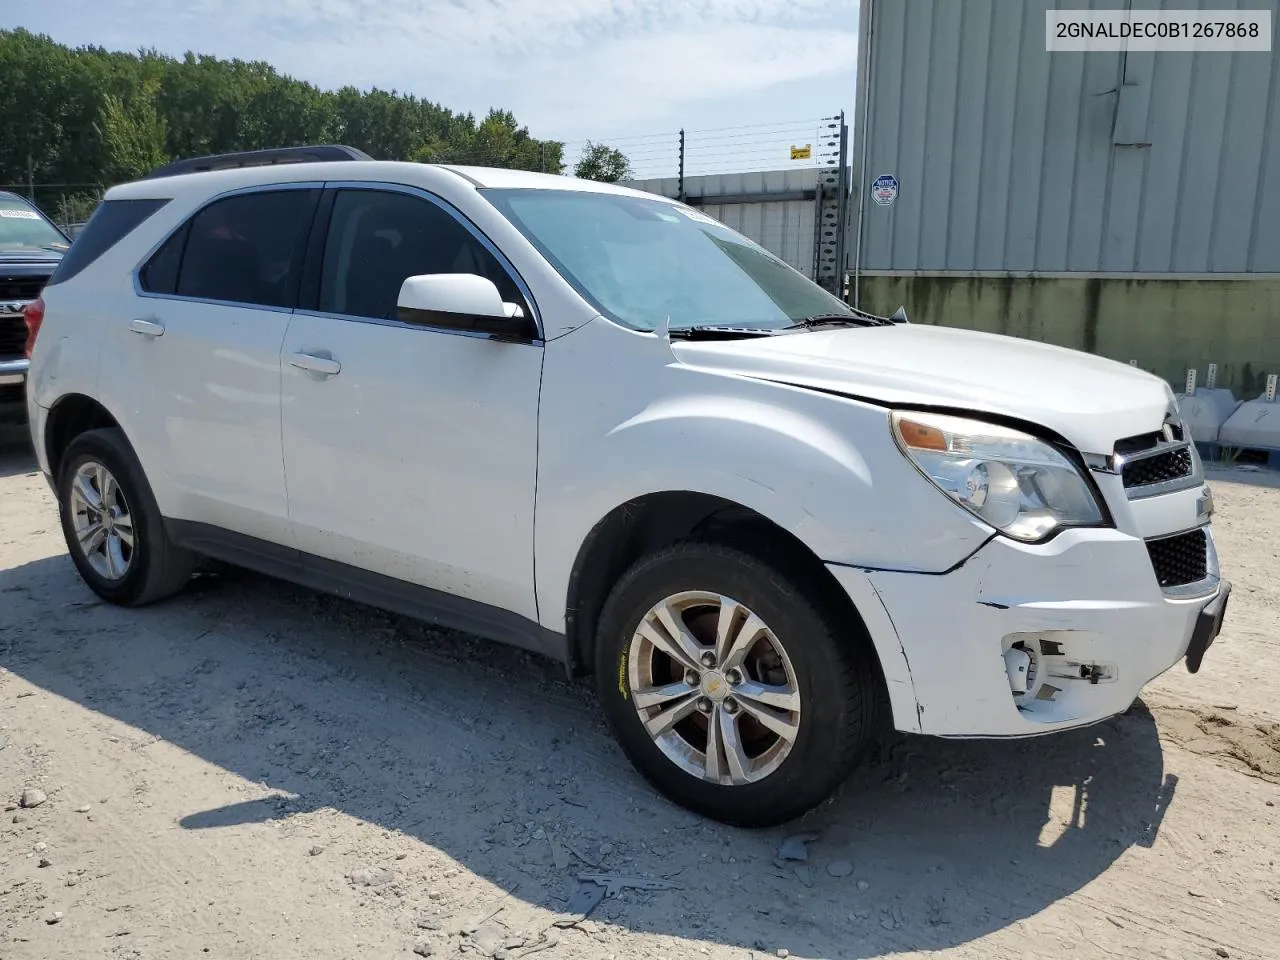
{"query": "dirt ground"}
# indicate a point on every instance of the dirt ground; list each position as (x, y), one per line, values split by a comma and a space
(255, 771)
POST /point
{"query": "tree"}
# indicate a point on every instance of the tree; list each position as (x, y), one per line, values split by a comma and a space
(133, 134)
(77, 120)
(600, 161)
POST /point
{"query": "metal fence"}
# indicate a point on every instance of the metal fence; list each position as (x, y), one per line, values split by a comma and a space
(811, 143)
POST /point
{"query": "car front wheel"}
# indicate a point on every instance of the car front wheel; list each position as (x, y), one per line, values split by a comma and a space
(733, 690)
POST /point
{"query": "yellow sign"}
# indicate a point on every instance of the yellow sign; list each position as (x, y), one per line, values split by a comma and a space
(801, 153)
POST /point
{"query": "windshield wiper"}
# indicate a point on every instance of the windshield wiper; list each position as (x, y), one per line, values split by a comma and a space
(712, 332)
(839, 320)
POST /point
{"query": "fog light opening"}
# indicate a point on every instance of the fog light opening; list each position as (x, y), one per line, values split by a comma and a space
(1020, 667)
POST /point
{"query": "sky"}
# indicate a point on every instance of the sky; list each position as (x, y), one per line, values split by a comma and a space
(618, 70)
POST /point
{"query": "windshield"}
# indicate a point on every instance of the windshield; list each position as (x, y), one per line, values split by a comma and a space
(21, 228)
(641, 261)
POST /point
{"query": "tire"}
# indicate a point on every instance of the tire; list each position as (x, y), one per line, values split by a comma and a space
(154, 567)
(827, 668)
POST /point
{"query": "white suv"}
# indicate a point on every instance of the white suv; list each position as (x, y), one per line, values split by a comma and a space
(602, 426)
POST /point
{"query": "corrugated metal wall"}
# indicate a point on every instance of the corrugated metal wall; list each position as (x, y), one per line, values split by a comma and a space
(785, 228)
(1013, 159)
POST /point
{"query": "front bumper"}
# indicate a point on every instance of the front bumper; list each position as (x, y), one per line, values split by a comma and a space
(14, 371)
(1086, 605)
(13, 377)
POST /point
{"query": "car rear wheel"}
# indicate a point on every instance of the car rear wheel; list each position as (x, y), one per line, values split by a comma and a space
(733, 690)
(112, 526)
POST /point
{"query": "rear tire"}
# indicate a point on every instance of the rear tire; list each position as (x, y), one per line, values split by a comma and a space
(112, 525)
(776, 724)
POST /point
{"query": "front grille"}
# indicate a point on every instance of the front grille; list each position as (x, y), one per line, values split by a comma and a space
(13, 328)
(21, 288)
(1180, 560)
(13, 335)
(1157, 468)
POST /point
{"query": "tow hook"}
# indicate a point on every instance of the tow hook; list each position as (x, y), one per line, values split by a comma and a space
(1092, 672)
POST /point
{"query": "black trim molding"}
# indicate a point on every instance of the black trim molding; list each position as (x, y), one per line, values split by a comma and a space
(387, 593)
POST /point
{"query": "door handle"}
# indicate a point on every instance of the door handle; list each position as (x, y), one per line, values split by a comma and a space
(325, 366)
(148, 327)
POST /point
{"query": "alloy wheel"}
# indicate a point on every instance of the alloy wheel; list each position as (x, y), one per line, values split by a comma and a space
(102, 521)
(714, 688)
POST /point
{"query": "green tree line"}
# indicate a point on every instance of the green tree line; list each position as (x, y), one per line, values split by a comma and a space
(78, 120)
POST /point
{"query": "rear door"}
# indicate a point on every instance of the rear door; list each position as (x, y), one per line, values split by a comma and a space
(193, 363)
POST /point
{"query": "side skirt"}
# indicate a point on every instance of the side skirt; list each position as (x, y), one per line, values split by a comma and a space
(352, 583)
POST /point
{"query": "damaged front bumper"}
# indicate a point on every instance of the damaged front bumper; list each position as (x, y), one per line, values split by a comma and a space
(1027, 639)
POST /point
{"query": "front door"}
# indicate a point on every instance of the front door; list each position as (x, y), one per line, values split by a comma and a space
(410, 451)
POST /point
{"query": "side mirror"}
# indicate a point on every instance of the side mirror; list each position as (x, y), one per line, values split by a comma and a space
(459, 301)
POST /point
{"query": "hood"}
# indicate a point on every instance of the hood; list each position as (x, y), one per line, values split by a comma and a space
(1089, 401)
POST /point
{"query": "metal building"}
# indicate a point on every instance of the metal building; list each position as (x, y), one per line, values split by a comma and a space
(778, 209)
(1127, 203)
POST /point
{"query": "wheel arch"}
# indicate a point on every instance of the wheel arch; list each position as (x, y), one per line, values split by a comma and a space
(653, 521)
(72, 415)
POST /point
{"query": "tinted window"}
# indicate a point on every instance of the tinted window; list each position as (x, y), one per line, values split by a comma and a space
(248, 248)
(160, 275)
(110, 223)
(378, 238)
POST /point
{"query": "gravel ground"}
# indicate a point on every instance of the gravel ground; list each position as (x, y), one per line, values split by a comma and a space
(256, 771)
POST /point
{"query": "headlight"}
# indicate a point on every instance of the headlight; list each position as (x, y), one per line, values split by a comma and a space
(1022, 486)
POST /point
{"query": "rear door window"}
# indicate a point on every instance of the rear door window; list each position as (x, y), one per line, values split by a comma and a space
(160, 273)
(243, 249)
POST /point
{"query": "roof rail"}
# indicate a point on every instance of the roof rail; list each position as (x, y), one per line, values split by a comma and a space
(319, 153)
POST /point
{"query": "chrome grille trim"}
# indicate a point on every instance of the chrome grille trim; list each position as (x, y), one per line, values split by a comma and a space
(1173, 445)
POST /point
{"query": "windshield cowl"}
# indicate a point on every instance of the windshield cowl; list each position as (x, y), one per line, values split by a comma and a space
(858, 319)
(711, 332)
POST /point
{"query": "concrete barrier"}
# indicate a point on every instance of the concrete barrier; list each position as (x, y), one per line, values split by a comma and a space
(1205, 411)
(1255, 424)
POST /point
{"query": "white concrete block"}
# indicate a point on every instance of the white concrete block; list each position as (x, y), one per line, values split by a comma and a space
(1256, 423)
(1205, 411)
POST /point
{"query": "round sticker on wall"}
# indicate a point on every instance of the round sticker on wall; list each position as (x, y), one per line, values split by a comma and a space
(885, 189)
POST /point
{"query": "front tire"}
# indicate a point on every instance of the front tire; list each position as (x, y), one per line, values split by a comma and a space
(735, 691)
(112, 525)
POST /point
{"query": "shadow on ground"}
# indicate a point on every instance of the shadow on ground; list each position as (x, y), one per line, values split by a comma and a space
(16, 455)
(463, 745)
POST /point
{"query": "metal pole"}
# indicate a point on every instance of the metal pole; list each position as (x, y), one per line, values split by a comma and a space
(864, 125)
(31, 179)
(842, 216)
(817, 232)
(680, 183)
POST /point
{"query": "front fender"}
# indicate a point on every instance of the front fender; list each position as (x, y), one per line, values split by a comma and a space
(824, 468)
